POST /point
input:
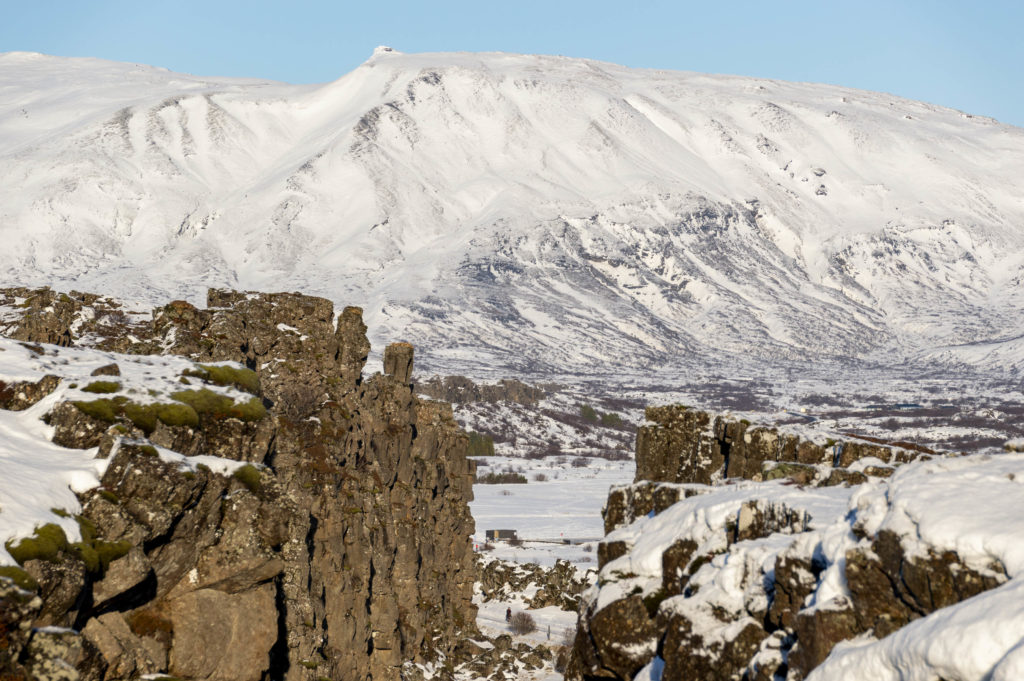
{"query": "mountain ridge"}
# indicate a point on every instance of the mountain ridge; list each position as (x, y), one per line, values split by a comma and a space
(535, 211)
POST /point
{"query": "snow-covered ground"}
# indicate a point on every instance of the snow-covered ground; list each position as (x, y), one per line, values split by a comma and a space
(564, 507)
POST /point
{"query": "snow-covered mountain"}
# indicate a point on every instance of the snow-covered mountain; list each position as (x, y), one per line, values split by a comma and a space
(532, 212)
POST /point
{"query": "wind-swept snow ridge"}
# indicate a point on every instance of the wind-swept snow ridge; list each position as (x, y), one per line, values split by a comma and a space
(535, 212)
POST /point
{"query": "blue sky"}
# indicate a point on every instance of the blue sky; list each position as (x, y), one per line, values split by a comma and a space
(968, 56)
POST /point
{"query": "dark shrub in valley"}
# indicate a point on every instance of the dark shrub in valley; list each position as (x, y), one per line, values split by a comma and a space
(522, 623)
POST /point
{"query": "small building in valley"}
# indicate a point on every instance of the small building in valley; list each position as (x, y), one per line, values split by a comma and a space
(503, 535)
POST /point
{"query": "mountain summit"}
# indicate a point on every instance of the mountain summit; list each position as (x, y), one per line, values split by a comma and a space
(531, 212)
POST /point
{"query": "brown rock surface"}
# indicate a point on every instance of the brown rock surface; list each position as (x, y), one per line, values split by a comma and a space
(341, 552)
(689, 656)
(615, 642)
(685, 445)
(686, 452)
(461, 390)
(22, 395)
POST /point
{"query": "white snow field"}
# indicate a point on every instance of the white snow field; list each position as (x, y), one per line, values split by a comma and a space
(559, 517)
(563, 507)
(533, 213)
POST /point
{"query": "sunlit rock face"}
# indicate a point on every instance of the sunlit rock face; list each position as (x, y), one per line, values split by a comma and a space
(276, 513)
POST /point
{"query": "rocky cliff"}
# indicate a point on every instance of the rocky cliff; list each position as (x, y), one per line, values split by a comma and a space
(461, 390)
(688, 445)
(744, 552)
(333, 544)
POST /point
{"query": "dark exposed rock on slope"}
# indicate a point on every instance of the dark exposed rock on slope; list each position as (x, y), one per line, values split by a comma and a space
(340, 552)
(770, 632)
(688, 445)
(459, 389)
(559, 585)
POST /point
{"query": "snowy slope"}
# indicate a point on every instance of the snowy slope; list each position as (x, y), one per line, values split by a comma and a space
(531, 212)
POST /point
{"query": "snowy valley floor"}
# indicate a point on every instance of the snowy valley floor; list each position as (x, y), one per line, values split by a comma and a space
(563, 506)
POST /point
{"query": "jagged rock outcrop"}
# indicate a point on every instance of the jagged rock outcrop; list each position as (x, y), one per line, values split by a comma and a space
(461, 390)
(685, 445)
(560, 585)
(340, 550)
(499, 658)
(20, 395)
(46, 316)
(748, 591)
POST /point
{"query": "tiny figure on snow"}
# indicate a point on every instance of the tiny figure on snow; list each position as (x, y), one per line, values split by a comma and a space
(508, 615)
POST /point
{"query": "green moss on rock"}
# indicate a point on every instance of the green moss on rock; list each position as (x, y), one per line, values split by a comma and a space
(102, 409)
(143, 416)
(205, 402)
(248, 476)
(243, 379)
(21, 579)
(96, 554)
(102, 387)
(109, 551)
(46, 544)
(251, 410)
(177, 414)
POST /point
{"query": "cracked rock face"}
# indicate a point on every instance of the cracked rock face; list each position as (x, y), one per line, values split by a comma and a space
(684, 445)
(340, 551)
(767, 629)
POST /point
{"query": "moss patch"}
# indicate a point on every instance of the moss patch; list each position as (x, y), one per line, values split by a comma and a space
(248, 476)
(143, 416)
(21, 579)
(96, 553)
(243, 379)
(205, 402)
(177, 414)
(46, 544)
(102, 409)
(102, 387)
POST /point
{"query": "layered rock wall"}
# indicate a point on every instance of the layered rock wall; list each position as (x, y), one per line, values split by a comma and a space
(340, 552)
(751, 589)
(683, 445)
(461, 390)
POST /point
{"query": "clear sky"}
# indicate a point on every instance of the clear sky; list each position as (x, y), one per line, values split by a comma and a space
(967, 55)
